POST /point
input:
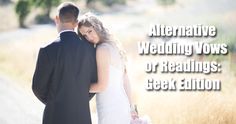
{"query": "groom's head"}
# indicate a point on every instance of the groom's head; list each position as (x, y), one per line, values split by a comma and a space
(67, 15)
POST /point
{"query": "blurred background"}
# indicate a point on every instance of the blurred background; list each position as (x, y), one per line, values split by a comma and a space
(27, 25)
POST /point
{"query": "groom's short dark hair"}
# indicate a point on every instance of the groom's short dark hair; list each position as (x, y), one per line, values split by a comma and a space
(68, 12)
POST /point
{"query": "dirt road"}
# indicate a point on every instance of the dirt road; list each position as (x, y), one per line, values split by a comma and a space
(18, 105)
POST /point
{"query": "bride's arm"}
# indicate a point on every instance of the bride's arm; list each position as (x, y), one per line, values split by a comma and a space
(102, 58)
(127, 87)
(128, 91)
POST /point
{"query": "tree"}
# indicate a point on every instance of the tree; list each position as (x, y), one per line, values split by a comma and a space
(46, 5)
(22, 9)
(5, 2)
(111, 2)
(106, 2)
(88, 2)
(166, 2)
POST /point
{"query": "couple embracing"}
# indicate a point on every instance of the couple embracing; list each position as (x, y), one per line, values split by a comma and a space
(70, 71)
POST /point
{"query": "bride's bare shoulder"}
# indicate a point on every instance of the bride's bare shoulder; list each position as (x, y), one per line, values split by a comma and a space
(103, 50)
(103, 47)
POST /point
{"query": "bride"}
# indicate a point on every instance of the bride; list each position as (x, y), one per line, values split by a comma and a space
(113, 97)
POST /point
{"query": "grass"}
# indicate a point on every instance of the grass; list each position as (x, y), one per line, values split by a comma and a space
(18, 58)
(185, 107)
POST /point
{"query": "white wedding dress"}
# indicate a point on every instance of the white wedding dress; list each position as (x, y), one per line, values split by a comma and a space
(113, 104)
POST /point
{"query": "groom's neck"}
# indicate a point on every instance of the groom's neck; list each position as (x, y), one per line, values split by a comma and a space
(65, 27)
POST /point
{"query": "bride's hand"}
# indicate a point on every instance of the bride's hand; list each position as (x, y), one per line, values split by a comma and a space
(134, 112)
(134, 115)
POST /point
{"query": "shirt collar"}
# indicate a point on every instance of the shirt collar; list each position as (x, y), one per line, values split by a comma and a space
(66, 31)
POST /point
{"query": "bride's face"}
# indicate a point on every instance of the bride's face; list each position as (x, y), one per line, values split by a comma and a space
(90, 34)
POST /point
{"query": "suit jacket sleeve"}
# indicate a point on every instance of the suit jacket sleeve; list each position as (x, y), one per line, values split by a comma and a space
(42, 76)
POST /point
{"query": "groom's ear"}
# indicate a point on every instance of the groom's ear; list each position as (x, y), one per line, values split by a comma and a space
(57, 20)
(75, 23)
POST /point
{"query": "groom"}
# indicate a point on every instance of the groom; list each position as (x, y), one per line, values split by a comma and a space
(64, 71)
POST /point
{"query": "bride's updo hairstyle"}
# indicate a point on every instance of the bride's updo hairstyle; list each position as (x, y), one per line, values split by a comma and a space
(90, 20)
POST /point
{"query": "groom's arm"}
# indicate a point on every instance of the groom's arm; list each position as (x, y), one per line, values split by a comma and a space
(42, 76)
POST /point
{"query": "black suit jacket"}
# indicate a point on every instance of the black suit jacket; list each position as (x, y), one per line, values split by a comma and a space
(64, 72)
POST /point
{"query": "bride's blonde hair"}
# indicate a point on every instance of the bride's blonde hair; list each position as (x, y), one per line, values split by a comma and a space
(88, 20)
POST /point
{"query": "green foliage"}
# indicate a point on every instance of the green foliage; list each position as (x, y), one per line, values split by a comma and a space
(22, 9)
(46, 5)
(89, 1)
(230, 40)
(5, 2)
(42, 19)
(166, 2)
(111, 2)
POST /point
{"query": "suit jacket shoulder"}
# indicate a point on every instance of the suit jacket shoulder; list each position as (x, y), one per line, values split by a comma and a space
(51, 50)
